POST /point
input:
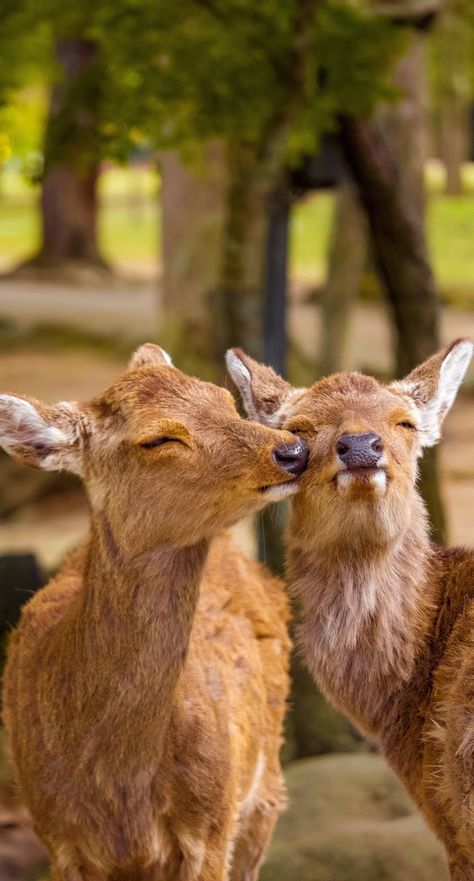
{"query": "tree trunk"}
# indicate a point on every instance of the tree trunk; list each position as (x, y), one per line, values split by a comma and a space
(398, 243)
(452, 47)
(238, 299)
(313, 726)
(193, 199)
(69, 200)
(347, 254)
(386, 158)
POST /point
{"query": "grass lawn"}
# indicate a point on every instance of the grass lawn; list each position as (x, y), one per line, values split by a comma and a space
(130, 229)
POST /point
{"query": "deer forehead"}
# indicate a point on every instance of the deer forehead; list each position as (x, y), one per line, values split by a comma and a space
(352, 398)
(146, 396)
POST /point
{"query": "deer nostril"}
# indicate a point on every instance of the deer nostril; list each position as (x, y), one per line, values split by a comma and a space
(293, 458)
(341, 447)
(377, 444)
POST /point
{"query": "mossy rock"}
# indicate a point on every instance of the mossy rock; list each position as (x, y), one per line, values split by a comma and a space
(349, 819)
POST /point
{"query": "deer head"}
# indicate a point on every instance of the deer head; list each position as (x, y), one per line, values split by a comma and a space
(164, 457)
(364, 438)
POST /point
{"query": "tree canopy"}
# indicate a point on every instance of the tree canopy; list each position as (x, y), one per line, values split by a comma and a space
(175, 74)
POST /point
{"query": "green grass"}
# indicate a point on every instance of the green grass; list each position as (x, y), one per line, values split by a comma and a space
(129, 227)
(310, 230)
(451, 241)
(128, 220)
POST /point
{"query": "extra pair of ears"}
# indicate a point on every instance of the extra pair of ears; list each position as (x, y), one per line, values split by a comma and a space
(51, 436)
(432, 387)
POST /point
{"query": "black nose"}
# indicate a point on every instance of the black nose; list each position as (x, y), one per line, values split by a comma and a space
(292, 457)
(359, 450)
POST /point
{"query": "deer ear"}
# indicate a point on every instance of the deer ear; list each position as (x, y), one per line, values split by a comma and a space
(434, 385)
(41, 435)
(263, 391)
(149, 355)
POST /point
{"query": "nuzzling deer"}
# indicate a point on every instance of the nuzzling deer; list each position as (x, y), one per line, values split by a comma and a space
(387, 617)
(145, 686)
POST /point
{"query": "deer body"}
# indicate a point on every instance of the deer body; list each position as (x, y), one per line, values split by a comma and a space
(402, 669)
(151, 772)
(145, 687)
(387, 618)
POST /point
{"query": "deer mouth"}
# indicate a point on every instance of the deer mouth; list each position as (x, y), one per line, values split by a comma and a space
(279, 491)
(372, 480)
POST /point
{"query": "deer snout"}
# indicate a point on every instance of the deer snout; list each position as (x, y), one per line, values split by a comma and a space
(293, 458)
(359, 450)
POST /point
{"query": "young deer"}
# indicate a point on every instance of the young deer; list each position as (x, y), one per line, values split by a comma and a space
(387, 617)
(145, 686)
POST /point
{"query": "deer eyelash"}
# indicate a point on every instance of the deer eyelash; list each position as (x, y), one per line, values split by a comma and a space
(159, 441)
(407, 424)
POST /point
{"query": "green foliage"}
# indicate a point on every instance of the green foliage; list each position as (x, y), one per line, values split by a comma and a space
(22, 122)
(174, 74)
(354, 51)
(220, 68)
(451, 56)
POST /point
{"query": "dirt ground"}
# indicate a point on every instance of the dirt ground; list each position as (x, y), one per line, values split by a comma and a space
(132, 311)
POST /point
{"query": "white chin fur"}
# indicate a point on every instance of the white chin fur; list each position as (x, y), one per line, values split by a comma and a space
(377, 480)
(282, 491)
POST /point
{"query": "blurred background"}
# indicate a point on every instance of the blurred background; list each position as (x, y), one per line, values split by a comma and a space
(292, 176)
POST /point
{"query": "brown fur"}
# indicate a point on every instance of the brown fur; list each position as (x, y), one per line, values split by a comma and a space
(145, 687)
(387, 618)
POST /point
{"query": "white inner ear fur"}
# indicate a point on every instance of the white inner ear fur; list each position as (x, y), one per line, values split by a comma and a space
(243, 380)
(22, 426)
(451, 375)
(453, 371)
(150, 355)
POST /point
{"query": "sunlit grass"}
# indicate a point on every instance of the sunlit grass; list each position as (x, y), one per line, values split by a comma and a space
(451, 240)
(310, 231)
(129, 227)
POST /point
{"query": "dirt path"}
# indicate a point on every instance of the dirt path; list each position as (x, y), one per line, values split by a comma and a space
(133, 310)
(130, 309)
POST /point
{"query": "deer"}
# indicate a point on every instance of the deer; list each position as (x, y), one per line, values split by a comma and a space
(387, 617)
(145, 685)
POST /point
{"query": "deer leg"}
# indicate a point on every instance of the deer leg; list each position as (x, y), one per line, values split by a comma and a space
(61, 873)
(58, 874)
(252, 844)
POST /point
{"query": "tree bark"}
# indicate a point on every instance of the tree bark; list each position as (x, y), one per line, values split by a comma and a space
(452, 47)
(69, 199)
(347, 254)
(238, 300)
(193, 201)
(386, 159)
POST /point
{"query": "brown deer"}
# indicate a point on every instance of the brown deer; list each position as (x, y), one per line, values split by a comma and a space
(387, 618)
(145, 686)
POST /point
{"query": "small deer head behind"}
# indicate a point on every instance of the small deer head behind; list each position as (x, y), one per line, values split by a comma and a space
(164, 457)
(364, 438)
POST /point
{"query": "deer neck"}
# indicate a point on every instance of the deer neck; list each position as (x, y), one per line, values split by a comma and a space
(367, 614)
(130, 636)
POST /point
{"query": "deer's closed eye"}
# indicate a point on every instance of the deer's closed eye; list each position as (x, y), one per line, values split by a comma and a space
(301, 426)
(159, 441)
(407, 424)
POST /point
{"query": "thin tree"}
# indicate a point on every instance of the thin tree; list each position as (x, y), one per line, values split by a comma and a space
(386, 158)
(69, 195)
